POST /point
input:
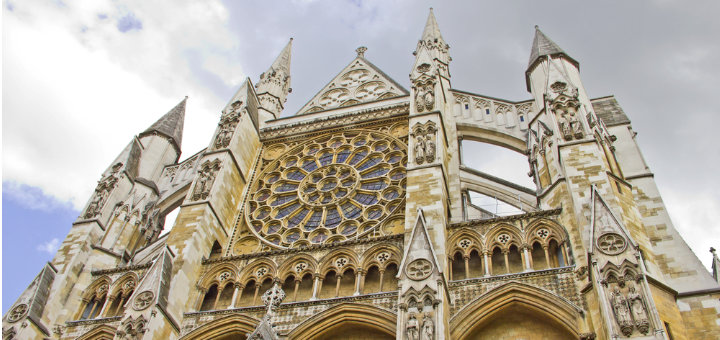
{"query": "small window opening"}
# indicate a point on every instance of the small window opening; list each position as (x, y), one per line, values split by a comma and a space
(522, 118)
(487, 111)
(467, 106)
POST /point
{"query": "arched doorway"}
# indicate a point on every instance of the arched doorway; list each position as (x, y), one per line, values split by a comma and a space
(516, 311)
(233, 327)
(348, 321)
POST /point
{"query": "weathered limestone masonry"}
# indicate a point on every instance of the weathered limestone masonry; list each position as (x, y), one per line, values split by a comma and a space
(353, 219)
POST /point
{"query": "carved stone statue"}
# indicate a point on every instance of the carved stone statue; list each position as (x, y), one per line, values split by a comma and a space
(411, 328)
(622, 311)
(419, 149)
(207, 177)
(101, 194)
(639, 314)
(429, 97)
(428, 328)
(424, 95)
(430, 147)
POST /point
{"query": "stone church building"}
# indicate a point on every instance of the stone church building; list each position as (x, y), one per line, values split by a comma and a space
(352, 219)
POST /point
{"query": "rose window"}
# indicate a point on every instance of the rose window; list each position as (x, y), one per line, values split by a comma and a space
(330, 189)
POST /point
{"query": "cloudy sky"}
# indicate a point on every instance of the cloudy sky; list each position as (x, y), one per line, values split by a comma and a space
(80, 78)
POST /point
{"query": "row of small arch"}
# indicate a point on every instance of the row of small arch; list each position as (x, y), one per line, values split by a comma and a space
(506, 235)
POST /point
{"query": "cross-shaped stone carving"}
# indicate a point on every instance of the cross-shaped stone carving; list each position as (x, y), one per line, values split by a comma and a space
(273, 297)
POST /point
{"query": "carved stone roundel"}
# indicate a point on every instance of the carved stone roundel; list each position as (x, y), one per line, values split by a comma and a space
(18, 312)
(419, 269)
(611, 243)
(143, 300)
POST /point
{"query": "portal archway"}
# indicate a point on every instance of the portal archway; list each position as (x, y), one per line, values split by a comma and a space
(234, 327)
(348, 321)
(519, 309)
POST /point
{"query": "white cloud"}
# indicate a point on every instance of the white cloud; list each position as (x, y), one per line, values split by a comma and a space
(49, 247)
(76, 89)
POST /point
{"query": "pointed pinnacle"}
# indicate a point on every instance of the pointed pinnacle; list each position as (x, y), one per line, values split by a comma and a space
(283, 60)
(432, 30)
(171, 124)
(543, 46)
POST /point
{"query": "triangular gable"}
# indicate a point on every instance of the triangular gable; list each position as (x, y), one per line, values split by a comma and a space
(604, 222)
(359, 82)
(31, 302)
(153, 289)
(420, 247)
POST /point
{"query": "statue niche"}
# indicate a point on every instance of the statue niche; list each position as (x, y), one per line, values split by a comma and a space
(228, 123)
(425, 146)
(565, 105)
(102, 192)
(207, 173)
(424, 88)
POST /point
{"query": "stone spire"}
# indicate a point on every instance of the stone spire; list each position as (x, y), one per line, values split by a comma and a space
(432, 41)
(274, 84)
(543, 46)
(170, 125)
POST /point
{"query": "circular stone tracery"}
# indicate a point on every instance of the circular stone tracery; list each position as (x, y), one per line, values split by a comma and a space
(329, 189)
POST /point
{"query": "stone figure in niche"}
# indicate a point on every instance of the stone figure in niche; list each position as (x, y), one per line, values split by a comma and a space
(101, 194)
(565, 104)
(424, 93)
(411, 328)
(206, 179)
(639, 314)
(622, 311)
(430, 146)
(419, 149)
(228, 123)
(428, 328)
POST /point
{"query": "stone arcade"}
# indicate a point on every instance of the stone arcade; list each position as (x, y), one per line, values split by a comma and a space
(351, 219)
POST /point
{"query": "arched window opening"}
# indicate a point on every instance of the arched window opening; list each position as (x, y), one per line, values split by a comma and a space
(288, 286)
(538, 257)
(498, 262)
(515, 259)
(476, 264)
(372, 281)
(328, 285)
(114, 304)
(555, 255)
(216, 251)
(497, 161)
(266, 284)
(347, 283)
(389, 281)
(226, 295)
(89, 306)
(208, 302)
(246, 294)
(458, 267)
(305, 289)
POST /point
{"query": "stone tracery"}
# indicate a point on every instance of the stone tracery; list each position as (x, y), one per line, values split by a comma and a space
(336, 187)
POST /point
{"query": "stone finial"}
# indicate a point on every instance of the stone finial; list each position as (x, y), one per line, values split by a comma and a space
(361, 51)
(712, 250)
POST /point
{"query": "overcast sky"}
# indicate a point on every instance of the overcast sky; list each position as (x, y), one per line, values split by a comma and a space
(80, 78)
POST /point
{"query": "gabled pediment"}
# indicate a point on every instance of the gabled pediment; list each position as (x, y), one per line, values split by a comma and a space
(359, 82)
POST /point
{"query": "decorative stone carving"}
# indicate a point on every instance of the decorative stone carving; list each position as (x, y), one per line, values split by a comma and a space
(419, 269)
(9, 333)
(424, 88)
(412, 328)
(639, 312)
(425, 147)
(102, 192)
(273, 297)
(224, 276)
(428, 328)
(208, 172)
(17, 312)
(143, 300)
(300, 267)
(622, 311)
(611, 243)
(228, 123)
(565, 105)
(383, 257)
(132, 329)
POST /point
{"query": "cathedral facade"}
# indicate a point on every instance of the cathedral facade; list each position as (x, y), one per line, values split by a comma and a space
(351, 219)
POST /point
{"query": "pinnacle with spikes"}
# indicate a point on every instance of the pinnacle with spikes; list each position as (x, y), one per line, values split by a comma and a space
(432, 30)
(544, 46)
(283, 60)
(170, 125)
(274, 84)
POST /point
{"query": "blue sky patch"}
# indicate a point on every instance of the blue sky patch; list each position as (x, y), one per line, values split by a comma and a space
(129, 22)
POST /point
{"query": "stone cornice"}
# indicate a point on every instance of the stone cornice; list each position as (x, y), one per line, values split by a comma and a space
(120, 269)
(503, 277)
(479, 222)
(333, 121)
(304, 249)
(92, 321)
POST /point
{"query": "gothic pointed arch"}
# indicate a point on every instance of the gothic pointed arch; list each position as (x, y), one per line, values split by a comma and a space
(232, 325)
(223, 273)
(339, 260)
(320, 326)
(298, 266)
(102, 332)
(380, 255)
(543, 304)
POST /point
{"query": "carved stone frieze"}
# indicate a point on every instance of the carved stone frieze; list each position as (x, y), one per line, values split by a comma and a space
(228, 123)
(102, 192)
(132, 329)
(425, 145)
(207, 173)
(564, 103)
